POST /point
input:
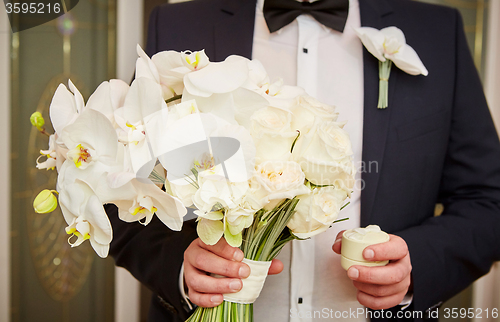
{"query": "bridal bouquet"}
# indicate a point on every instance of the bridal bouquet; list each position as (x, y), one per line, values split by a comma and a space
(261, 162)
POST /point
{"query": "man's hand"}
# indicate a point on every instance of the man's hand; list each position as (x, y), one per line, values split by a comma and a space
(381, 287)
(201, 260)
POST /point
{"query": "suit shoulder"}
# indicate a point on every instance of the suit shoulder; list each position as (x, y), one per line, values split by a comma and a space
(423, 9)
(188, 10)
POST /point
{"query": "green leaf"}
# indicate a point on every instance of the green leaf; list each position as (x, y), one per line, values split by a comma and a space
(210, 231)
(233, 240)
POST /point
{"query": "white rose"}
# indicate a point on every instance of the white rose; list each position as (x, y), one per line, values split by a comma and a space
(238, 219)
(185, 193)
(316, 211)
(306, 109)
(277, 180)
(325, 155)
(271, 119)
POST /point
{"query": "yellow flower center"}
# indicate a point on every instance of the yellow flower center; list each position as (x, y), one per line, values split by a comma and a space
(80, 155)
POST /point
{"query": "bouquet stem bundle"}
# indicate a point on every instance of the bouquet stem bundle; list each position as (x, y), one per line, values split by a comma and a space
(261, 242)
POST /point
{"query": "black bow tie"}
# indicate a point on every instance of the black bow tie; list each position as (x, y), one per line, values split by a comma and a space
(331, 13)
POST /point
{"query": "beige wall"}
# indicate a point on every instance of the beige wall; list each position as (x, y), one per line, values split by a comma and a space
(487, 289)
(4, 166)
(129, 34)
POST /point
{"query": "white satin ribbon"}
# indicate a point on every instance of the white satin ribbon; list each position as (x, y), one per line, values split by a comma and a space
(252, 285)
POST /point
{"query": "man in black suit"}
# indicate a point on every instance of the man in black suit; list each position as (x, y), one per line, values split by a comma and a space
(435, 143)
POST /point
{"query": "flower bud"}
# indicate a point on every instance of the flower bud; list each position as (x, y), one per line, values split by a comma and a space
(37, 120)
(45, 202)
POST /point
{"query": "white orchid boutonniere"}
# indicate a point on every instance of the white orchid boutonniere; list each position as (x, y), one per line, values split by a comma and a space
(389, 46)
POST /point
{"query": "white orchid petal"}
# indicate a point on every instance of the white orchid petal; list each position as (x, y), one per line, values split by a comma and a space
(373, 40)
(145, 67)
(96, 216)
(407, 60)
(210, 231)
(100, 249)
(80, 105)
(191, 88)
(221, 77)
(108, 97)
(394, 32)
(62, 108)
(124, 208)
(100, 101)
(118, 92)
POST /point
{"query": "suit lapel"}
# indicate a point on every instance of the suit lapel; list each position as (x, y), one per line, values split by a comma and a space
(234, 35)
(376, 121)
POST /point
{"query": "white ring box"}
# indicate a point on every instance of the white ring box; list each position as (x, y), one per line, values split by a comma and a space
(354, 241)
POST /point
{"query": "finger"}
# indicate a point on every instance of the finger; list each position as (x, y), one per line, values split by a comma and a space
(200, 282)
(380, 303)
(209, 262)
(394, 249)
(223, 249)
(383, 290)
(205, 300)
(276, 267)
(337, 245)
(392, 273)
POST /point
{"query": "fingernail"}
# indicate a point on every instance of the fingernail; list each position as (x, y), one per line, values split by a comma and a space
(244, 271)
(235, 285)
(353, 273)
(369, 254)
(238, 255)
(337, 240)
(215, 299)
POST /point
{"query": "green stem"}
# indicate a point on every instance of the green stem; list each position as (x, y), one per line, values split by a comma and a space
(175, 98)
(384, 73)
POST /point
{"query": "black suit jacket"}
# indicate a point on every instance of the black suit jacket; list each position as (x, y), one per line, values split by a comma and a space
(435, 142)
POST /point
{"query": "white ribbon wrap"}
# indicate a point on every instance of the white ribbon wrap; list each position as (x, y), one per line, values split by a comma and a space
(252, 285)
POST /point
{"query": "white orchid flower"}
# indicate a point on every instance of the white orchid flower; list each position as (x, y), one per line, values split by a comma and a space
(389, 46)
(168, 68)
(390, 43)
(149, 199)
(85, 216)
(171, 70)
(65, 106)
(50, 154)
(195, 60)
(91, 138)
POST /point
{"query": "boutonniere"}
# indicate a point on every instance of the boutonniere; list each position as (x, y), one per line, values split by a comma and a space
(389, 46)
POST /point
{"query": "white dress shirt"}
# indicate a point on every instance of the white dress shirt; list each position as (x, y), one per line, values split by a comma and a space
(329, 65)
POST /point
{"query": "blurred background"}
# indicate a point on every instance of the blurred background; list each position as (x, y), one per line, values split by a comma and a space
(41, 278)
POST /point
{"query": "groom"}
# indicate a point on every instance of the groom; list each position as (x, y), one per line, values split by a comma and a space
(435, 143)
